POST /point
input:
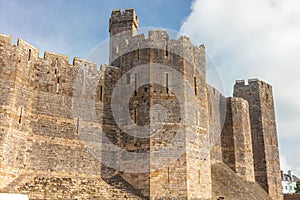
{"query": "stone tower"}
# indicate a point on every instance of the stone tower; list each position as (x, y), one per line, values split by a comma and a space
(122, 25)
(236, 139)
(264, 134)
(162, 76)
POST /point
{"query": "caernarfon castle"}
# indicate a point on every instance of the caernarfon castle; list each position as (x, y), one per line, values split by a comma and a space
(145, 126)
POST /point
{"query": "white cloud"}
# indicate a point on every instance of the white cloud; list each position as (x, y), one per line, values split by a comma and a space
(256, 38)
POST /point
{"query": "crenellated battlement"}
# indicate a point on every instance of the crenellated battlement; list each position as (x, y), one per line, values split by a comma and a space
(23, 48)
(157, 40)
(251, 82)
(48, 102)
(121, 21)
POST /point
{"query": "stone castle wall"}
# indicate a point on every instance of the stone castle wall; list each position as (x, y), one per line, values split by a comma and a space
(236, 139)
(54, 115)
(40, 145)
(264, 134)
(177, 179)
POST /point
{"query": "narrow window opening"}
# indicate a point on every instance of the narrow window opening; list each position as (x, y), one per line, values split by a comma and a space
(128, 78)
(117, 50)
(77, 125)
(195, 85)
(135, 84)
(167, 50)
(267, 98)
(167, 83)
(57, 86)
(20, 118)
(168, 174)
(101, 93)
(214, 90)
(138, 54)
(199, 176)
(29, 54)
(135, 115)
(56, 66)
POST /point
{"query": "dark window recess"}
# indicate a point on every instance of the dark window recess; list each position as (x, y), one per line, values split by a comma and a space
(167, 48)
(135, 115)
(57, 86)
(135, 84)
(167, 83)
(101, 93)
(56, 66)
(128, 78)
(20, 117)
(137, 54)
(195, 85)
(77, 125)
(29, 54)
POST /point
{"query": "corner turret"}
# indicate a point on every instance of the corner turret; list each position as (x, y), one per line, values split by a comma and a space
(123, 21)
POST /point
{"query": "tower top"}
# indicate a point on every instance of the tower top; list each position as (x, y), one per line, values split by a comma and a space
(123, 21)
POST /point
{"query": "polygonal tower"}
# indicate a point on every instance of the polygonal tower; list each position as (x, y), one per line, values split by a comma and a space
(165, 118)
(264, 134)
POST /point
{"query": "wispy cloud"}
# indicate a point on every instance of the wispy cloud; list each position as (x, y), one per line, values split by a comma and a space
(257, 38)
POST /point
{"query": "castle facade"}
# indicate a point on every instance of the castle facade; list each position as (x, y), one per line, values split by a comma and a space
(146, 126)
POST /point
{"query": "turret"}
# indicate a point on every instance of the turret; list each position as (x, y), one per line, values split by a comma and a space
(122, 25)
(264, 134)
(123, 21)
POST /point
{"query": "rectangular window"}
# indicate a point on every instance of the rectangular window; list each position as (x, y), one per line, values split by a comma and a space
(195, 85)
(57, 86)
(128, 78)
(135, 115)
(167, 50)
(20, 117)
(167, 83)
(29, 54)
(137, 54)
(135, 84)
(56, 66)
(101, 93)
(77, 126)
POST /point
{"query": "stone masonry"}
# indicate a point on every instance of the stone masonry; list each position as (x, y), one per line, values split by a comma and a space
(50, 141)
(264, 134)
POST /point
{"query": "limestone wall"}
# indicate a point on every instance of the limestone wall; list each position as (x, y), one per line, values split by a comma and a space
(264, 134)
(236, 139)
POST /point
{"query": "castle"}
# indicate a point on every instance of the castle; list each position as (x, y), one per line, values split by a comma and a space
(70, 131)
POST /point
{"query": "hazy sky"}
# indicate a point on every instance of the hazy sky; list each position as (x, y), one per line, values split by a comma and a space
(245, 39)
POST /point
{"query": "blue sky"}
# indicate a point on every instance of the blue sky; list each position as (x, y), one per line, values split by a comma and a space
(74, 27)
(246, 39)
